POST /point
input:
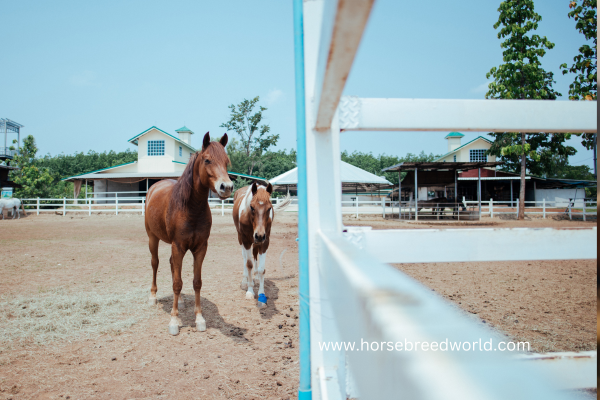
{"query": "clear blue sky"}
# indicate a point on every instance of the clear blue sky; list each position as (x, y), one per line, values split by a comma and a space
(91, 75)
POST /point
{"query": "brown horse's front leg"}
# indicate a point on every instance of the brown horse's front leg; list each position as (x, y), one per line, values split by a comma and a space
(198, 260)
(176, 261)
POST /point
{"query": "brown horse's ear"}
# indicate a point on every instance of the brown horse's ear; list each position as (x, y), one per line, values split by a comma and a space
(254, 188)
(206, 141)
(270, 188)
(223, 140)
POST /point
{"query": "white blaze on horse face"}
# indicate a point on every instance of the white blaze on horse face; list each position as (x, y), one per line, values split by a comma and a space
(261, 272)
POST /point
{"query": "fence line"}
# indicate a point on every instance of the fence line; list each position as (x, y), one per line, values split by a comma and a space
(355, 207)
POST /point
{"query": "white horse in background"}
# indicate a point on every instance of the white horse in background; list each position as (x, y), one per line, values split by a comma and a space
(13, 204)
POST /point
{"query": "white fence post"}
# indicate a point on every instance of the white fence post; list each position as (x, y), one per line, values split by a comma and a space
(544, 208)
(143, 206)
(570, 216)
(518, 202)
(584, 209)
(222, 208)
(117, 205)
(38, 206)
(64, 206)
(356, 207)
(491, 208)
(89, 200)
(383, 206)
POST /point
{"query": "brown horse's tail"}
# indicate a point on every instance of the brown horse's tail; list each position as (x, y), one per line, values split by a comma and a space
(282, 205)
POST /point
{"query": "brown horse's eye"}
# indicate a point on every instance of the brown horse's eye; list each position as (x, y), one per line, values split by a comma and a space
(252, 208)
(207, 161)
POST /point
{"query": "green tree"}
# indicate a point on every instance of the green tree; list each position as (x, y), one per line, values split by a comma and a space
(374, 164)
(254, 136)
(275, 163)
(585, 85)
(585, 64)
(522, 77)
(34, 181)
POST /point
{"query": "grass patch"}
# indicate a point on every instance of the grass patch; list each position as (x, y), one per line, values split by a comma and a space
(59, 315)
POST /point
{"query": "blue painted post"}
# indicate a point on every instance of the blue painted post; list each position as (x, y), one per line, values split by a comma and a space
(304, 389)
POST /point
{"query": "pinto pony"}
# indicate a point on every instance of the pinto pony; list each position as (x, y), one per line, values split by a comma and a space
(253, 215)
(177, 212)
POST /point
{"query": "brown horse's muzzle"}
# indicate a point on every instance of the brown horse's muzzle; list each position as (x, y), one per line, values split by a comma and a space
(223, 188)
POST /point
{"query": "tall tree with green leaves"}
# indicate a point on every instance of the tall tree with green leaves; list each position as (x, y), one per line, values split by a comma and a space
(254, 136)
(585, 64)
(522, 77)
(34, 181)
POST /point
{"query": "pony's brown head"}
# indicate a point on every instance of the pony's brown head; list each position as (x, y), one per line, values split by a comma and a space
(211, 166)
(261, 211)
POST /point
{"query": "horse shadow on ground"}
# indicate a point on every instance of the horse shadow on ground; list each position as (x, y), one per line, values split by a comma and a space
(210, 312)
(272, 293)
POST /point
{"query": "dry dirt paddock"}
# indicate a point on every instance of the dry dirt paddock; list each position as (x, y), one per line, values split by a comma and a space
(74, 319)
(74, 322)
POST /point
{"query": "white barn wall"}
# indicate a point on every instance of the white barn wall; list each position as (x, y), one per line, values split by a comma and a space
(561, 196)
(100, 186)
(156, 163)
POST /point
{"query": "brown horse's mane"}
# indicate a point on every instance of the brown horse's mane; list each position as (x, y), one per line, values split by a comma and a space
(183, 189)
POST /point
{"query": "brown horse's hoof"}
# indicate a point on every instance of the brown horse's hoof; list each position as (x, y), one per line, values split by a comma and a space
(200, 323)
(249, 296)
(174, 325)
(174, 330)
(152, 301)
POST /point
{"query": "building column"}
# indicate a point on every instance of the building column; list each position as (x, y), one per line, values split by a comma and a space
(416, 196)
(479, 190)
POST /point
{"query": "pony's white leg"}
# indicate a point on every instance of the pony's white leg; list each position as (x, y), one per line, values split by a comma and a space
(262, 299)
(261, 273)
(245, 280)
(248, 270)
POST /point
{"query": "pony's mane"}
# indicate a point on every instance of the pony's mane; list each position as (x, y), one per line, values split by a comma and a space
(185, 184)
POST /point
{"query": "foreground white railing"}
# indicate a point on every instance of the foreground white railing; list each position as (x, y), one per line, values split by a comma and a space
(353, 296)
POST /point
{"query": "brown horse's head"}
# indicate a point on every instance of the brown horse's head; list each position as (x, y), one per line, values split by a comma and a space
(261, 211)
(211, 166)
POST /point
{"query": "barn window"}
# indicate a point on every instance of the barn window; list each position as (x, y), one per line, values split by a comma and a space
(455, 158)
(156, 147)
(180, 151)
(477, 155)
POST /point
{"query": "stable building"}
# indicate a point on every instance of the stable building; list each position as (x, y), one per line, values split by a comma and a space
(160, 156)
(465, 171)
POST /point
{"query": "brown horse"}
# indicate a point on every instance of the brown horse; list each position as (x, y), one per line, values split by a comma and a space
(253, 215)
(177, 212)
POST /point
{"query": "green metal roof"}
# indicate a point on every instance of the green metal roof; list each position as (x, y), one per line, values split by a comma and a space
(98, 170)
(454, 134)
(184, 129)
(460, 147)
(134, 139)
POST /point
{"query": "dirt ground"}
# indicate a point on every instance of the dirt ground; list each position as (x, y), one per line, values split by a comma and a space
(245, 353)
(550, 304)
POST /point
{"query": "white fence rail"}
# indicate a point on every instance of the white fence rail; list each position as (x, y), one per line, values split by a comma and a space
(353, 296)
(385, 208)
(114, 205)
